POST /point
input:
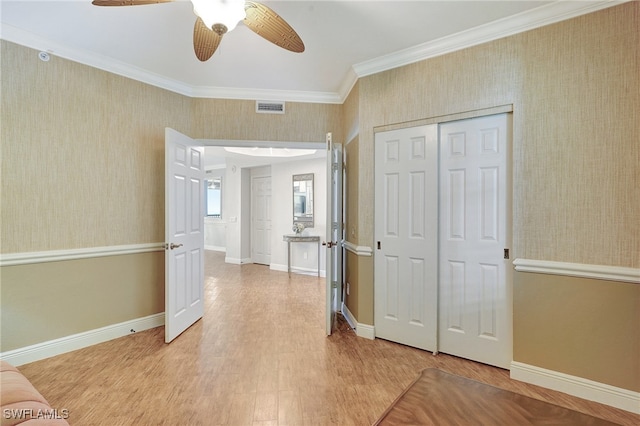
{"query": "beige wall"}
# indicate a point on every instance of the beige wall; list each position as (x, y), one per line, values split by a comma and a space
(350, 114)
(46, 301)
(82, 154)
(237, 120)
(574, 91)
(82, 165)
(577, 159)
(588, 328)
(573, 87)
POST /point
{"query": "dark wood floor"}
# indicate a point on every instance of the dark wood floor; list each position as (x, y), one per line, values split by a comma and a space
(440, 398)
(259, 356)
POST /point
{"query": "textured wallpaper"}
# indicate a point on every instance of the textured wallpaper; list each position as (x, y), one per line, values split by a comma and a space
(82, 154)
(94, 141)
(237, 119)
(83, 150)
(575, 91)
(579, 157)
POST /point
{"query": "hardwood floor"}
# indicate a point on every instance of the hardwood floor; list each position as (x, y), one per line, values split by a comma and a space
(259, 356)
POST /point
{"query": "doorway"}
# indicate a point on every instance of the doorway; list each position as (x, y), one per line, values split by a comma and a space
(257, 238)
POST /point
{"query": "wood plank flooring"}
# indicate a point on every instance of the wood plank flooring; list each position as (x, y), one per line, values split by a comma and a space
(259, 356)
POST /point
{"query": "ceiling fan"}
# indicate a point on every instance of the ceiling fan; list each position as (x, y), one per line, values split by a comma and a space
(217, 17)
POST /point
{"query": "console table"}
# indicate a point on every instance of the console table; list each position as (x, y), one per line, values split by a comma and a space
(300, 239)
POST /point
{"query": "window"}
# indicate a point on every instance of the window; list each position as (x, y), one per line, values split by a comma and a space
(213, 196)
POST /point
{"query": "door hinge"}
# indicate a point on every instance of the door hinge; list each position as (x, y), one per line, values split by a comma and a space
(506, 253)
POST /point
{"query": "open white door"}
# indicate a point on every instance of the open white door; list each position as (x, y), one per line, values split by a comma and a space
(184, 233)
(334, 231)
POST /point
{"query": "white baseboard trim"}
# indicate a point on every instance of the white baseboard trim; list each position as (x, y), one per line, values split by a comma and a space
(12, 259)
(236, 261)
(577, 386)
(278, 267)
(600, 272)
(362, 330)
(366, 331)
(349, 316)
(296, 270)
(66, 344)
(216, 248)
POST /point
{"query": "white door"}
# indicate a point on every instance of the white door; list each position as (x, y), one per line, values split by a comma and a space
(261, 223)
(475, 235)
(406, 235)
(184, 233)
(334, 231)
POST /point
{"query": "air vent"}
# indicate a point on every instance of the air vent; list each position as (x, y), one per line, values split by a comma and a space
(265, 107)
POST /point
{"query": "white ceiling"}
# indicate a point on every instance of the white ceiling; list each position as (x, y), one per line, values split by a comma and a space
(344, 40)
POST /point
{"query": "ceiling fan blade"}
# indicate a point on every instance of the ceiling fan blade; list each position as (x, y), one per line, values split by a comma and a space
(126, 2)
(270, 26)
(205, 40)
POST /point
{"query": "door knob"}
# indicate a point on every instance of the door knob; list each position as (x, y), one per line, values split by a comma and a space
(173, 246)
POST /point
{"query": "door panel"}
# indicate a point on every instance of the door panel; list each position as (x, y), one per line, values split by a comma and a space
(261, 226)
(475, 279)
(406, 229)
(333, 232)
(184, 233)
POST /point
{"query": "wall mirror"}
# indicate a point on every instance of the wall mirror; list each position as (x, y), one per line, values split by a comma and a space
(303, 199)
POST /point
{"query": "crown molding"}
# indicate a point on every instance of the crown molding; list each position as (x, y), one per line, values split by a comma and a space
(525, 21)
(25, 38)
(349, 80)
(535, 18)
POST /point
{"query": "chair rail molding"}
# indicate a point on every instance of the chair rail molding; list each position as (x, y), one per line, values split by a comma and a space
(12, 259)
(599, 272)
(358, 250)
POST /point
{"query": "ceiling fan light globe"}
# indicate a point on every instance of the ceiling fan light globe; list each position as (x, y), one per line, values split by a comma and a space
(225, 12)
